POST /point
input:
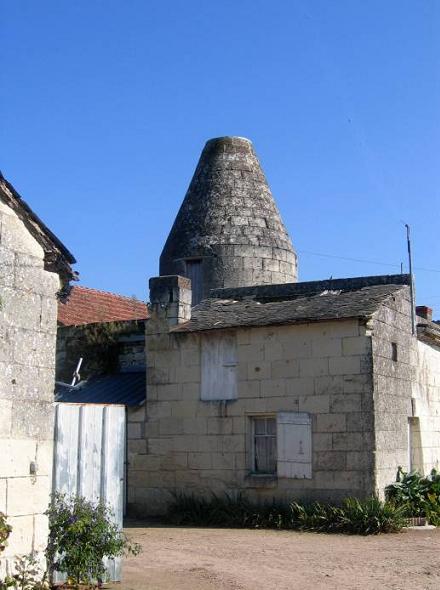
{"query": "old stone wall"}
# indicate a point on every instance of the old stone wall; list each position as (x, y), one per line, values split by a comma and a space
(28, 313)
(406, 394)
(105, 348)
(187, 444)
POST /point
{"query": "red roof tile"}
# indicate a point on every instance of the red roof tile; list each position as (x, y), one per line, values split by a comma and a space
(90, 306)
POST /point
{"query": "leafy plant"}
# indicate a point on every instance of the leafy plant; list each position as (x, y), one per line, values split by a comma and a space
(81, 534)
(28, 575)
(418, 495)
(370, 516)
(5, 531)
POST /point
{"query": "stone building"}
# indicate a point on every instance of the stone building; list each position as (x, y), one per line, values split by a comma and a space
(268, 386)
(35, 269)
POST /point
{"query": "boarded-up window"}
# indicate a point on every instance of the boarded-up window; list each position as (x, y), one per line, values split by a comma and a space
(219, 367)
(194, 272)
(264, 441)
(294, 438)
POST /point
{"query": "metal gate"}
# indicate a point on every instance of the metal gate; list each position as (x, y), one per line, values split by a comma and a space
(89, 458)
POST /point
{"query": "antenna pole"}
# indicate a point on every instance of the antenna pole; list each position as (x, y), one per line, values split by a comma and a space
(411, 277)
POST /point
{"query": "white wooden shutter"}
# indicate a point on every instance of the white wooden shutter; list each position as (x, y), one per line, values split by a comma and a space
(294, 445)
(219, 367)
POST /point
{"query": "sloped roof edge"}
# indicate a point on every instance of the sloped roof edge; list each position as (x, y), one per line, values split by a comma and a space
(57, 257)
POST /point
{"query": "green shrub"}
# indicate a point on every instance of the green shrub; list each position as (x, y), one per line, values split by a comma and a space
(418, 495)
(5, 531)
(354, 516)
(81, 534)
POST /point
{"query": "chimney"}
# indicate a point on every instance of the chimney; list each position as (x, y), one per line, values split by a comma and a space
(170, 299)
(424, 312)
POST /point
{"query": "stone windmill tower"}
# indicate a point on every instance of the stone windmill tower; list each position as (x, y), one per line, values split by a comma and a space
(228, 231)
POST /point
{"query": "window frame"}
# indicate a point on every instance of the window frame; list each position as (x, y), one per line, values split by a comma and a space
(253, 435)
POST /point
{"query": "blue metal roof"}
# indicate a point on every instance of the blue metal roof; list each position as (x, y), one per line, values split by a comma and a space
(128, 389)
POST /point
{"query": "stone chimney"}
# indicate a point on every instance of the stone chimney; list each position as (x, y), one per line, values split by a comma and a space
(424, 312)
(170, 299)
(228, 231)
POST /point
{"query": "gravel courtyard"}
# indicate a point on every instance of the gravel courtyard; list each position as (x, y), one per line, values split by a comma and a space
(224, 559)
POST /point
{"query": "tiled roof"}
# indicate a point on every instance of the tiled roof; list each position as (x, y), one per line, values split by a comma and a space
(121, 388)
(90, 306)
(295, 303)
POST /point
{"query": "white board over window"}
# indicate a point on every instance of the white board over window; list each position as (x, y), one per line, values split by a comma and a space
(219, 367)
(294, 434)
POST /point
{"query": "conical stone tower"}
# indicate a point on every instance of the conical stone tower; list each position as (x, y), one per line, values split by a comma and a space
(228, 231)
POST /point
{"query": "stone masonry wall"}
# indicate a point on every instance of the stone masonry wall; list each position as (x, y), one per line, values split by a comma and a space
(185, 444)
(28, 313)
(406, 388)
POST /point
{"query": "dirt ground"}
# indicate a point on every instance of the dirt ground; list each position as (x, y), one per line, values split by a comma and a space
(225, 559)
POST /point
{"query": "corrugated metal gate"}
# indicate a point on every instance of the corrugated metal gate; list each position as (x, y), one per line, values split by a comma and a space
(89, 458)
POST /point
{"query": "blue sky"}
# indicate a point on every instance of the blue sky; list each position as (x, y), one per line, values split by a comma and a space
(106, 104)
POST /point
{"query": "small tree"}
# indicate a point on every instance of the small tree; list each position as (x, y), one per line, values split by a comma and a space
(81, 534)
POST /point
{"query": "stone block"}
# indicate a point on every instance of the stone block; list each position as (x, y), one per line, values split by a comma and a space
(16, 237)
(249, 389)
(251, 353)
(134, 430)
(356, 345)
(188, 374)
(314, 367)
(348, 365)
(44, 458)
(322, 441)
(322, 347)
(299, 386)
(136, 446)
(170, 426)
(315, 404)
(136, 414)
(28, 495)
(220, 426)
(233, 444)
(41, 532)
(345, 402)
(174, 461)
(3, 488)
(157, 409)
(329, 460)
(223, 461)
(199, 460)
(330, 423)
(6, 418)
(197, 425)
(328, 384)
(20, 540)
(347, 441)
(258, 370)
(273, 387)
(166, 392)
(16, 457)
(285, 368)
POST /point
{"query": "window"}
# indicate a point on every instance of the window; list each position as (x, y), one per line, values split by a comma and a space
(219, 367)
(264, 445)
(282, 445)
(193, 271)
(394, 351)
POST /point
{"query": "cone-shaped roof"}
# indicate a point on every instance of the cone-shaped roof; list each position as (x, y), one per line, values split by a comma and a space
(229, 220)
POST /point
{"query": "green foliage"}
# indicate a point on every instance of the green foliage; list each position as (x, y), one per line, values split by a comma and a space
(97, 344)
(28, 576)
(418, 495)
(363, 517)
(5, 531)
(81, 534)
